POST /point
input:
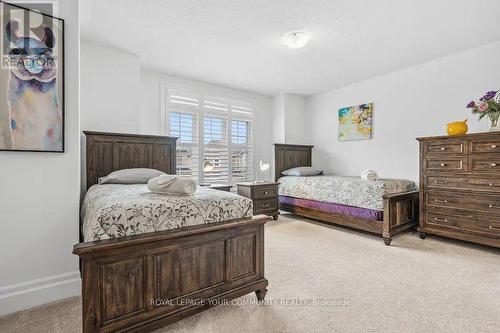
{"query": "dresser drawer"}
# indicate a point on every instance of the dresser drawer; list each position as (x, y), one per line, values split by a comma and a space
(485, 146)
(475, 202)
(443, 148)
(446, 164)
(485, 165)
(445, 182)
(265, 205)
(463, 183)
(467, 223)
(262, 192)
(484, 184)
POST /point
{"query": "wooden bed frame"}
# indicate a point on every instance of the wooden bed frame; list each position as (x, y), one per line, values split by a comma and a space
(400, 210)
(139, 283)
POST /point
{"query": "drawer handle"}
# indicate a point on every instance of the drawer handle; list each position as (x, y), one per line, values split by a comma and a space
(265, 205)
(443, 182)
(440, 219)
(490, 184)
(265, 192)
(441, 201)
(493, 164)
(443, 164)
(494, 206)
(493, 146)
(443, 148)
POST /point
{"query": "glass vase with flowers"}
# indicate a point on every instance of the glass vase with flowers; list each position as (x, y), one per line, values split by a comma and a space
(488, 106)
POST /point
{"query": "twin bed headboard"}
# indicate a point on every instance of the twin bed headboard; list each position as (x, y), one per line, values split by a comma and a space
(290, 156)
(108, 152)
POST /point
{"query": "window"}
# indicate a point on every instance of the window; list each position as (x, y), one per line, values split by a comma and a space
(184, 125)
(223, 136)
(240, 131)
(241, 142)
(181, 126)
(213, 130)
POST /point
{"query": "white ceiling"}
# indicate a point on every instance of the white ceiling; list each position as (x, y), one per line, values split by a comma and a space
(237, 42)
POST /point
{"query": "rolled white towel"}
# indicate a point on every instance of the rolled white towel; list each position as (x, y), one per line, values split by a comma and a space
(368, 175)
(171, 184)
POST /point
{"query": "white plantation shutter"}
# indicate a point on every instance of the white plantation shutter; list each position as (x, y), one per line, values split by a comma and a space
(215, 139)
(210, 128)
(241, 142)
(184, 114)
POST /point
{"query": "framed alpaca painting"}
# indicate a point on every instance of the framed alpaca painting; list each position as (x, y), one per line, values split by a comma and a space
(31, 80)
(356, 122)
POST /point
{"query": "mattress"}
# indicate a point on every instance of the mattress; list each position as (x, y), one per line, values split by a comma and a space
(348, 191)
(111, 211)
(364, 213)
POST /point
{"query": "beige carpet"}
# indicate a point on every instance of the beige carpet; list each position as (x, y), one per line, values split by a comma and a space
(432, 285)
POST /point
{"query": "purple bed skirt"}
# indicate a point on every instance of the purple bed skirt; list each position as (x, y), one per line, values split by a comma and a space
(328, 207)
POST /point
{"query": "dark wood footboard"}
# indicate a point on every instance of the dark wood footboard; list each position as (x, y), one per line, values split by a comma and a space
(143, 282)
(400, 214)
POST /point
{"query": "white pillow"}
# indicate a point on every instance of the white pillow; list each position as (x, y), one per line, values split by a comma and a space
(172, 184)
(302, 172)
(130, 176)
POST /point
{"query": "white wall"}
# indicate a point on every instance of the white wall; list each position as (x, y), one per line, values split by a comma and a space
(151, 108)
(39, 204)
(291, 124)
(279, 118)
(297, 127)
(417, 101)
(110, 80)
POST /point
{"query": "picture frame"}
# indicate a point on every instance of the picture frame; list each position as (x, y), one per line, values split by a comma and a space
(32, 70)
(356, 122)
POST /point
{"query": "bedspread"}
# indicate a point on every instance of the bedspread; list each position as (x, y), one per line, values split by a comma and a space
(111, 211)
(350, 191)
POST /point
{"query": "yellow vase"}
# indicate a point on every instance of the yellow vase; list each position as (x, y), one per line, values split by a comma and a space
(457, 128)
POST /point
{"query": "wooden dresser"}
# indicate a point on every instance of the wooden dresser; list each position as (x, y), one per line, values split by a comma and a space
(460, 187)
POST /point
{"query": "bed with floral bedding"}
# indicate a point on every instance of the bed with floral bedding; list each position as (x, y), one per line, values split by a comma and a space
(386, 207)
(111, 211)
(138, 247)
(343, 190)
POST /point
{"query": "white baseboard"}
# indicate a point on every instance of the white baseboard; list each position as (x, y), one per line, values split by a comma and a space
(25, 295)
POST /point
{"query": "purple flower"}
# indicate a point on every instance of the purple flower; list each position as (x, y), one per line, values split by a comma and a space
(489, 95)
(471, 105)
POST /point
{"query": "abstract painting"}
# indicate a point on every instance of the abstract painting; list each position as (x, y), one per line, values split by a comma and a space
(31, 80)
(355, 122)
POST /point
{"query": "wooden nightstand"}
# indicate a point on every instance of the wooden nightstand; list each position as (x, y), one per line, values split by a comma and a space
(220, 187)
(263, 195)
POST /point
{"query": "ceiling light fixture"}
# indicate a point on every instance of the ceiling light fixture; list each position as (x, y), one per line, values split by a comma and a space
(296, 39)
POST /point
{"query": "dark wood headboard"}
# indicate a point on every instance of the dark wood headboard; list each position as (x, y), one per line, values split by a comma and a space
(290, 156)
(108, 152)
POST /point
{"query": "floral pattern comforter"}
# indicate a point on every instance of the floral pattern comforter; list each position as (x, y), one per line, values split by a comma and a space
(349, 191)
(111, 211)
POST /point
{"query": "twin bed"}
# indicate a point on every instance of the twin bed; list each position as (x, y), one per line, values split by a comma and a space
(385, 207)
(149, 259)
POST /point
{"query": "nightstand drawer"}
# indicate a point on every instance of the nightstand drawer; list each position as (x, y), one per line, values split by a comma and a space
(262, 192)
(265, 205)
